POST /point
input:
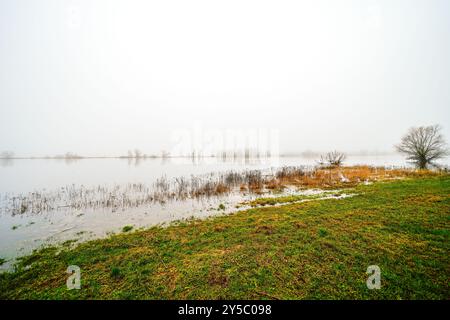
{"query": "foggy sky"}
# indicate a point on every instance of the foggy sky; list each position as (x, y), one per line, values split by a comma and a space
(101, 77)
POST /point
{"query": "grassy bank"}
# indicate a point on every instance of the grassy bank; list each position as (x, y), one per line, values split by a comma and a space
(312, 250)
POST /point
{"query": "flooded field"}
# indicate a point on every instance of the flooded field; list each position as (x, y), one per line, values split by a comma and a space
(50, 201)
(24, 175)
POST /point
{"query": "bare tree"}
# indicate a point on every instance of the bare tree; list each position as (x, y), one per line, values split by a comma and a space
(423, 145)
(137, 153)
(334, 159)
(165, 154)
(7, 154)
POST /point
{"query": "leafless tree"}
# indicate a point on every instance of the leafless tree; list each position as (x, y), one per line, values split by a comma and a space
(423, 145)
(7, 154)
(137, 153)
(334, 159)
(165, 154)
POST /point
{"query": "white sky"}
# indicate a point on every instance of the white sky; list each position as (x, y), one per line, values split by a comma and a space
(101, 77)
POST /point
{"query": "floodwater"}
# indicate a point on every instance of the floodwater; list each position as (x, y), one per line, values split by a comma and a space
(26, 175)
(21, 232)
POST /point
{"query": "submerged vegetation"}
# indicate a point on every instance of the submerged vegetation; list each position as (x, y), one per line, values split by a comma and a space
(122, 197)
(333, 159)
(309, 250)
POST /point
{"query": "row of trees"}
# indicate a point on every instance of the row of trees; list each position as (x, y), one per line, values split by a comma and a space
(138, 154)
(7, 155)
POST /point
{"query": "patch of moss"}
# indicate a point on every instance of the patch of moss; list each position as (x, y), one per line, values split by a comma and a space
(127, 228)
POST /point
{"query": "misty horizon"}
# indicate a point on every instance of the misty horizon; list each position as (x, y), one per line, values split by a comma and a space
(97, 79)
(253, 153)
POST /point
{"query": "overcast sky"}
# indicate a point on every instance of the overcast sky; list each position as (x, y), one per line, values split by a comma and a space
(101, 77)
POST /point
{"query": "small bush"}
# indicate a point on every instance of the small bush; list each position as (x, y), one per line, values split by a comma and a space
(333, 159)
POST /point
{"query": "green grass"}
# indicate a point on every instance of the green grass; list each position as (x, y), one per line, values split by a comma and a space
(2, 261)
(115, 272)
(311, 250)
(127, 228)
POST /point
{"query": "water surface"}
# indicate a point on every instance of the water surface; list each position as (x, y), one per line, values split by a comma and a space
(20, 233)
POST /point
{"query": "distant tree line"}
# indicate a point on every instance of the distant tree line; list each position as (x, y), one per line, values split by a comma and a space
(7, 154)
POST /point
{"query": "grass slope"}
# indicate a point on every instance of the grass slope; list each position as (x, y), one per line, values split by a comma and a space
(312, 250)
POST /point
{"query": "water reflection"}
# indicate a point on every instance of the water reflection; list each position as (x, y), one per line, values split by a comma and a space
(68, 161)
(199, 161)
